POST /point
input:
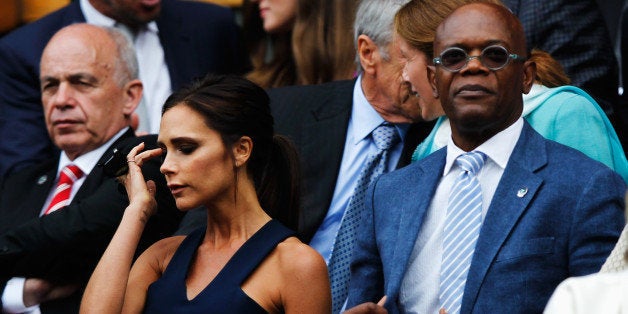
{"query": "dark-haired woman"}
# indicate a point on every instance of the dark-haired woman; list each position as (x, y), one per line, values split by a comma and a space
(219, 151)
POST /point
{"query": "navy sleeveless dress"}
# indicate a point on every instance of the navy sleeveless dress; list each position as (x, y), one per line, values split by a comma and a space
(223, 294)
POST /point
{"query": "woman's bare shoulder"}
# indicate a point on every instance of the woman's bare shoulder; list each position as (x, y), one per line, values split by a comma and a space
(293, 255)
(160, 253)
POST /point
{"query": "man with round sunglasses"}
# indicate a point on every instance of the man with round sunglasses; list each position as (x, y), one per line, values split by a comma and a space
(530, 212)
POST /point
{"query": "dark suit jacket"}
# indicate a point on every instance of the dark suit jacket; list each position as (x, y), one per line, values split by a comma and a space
(565, 225)
(197, 38)
(574, 33)
(64, 246)
(315, 118)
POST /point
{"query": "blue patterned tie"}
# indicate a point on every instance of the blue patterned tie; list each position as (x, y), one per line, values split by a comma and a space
(385, 136)
(460, 234)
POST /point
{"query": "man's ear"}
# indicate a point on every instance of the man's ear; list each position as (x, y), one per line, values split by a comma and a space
(431, 76)
(242, 149)
(529, 75)
(133, 94)
(367, 51)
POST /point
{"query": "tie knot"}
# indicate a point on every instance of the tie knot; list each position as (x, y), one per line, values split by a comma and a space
(471, 161)
(70, 173)
(385, 136)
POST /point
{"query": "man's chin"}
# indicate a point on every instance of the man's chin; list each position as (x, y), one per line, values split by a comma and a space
(70, 142)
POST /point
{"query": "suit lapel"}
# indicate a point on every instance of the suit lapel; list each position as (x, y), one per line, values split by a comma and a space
(24, 194)
(323, 139)
(507, 206)
(420, 189)
(40, 191)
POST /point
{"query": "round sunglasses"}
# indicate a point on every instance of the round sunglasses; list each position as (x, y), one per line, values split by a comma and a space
(493, 57)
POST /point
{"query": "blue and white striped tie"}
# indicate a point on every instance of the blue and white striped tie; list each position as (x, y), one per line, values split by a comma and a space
(460, 234)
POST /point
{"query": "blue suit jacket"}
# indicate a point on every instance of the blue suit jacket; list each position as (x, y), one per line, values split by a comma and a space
(197, 38)
(566, 225)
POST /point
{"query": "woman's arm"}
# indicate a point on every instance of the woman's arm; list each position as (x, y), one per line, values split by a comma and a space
(305, 286)
(106, 288)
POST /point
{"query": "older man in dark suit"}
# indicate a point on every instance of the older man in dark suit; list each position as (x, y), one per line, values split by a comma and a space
(56, 218)
(176, 41)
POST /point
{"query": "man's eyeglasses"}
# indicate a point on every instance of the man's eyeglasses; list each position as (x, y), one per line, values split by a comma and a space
(493, 57)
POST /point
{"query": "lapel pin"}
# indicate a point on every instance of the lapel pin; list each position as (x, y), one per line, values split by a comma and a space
(522, 192)
(42, 179)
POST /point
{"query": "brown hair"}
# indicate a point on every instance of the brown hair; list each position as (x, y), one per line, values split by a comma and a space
(549, 72)
(318, 49)
(417, 20)
(322, 40)
(271, 54)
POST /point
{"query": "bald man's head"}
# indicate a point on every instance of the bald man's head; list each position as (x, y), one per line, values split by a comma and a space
(481, 94)
(496, 15)
(88, 89)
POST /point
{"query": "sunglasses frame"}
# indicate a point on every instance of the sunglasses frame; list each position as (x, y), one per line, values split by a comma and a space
(510, 56)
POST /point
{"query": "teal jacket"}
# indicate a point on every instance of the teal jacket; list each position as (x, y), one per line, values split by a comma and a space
(567, 115)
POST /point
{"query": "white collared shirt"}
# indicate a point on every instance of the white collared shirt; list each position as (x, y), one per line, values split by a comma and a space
(421, 283)
(152, 65)
(12, 297)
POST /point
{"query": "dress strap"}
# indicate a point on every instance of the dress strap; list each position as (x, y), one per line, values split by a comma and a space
(254, 251)
(184, 253)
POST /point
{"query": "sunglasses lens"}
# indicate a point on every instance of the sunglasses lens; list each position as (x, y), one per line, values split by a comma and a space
(454, 58)
(494, 57)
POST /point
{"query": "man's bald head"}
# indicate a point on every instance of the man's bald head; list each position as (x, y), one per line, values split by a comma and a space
(114, 45)
(479, 98)
(89, 85)
(482, 13)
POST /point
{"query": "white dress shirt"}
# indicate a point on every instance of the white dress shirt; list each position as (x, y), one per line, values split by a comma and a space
(421, 283)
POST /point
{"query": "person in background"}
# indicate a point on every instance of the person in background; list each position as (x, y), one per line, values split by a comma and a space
(498, 218)
(57, 217)
(175, 41)
(219, 151)
(574, 33)
(299, 42)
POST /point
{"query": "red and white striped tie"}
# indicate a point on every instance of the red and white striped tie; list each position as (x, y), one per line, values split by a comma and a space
(61, 198)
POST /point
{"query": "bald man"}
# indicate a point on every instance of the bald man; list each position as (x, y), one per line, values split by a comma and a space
(493, 222)
(53, 231)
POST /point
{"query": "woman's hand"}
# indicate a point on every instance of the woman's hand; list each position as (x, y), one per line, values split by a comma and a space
(141, 193)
